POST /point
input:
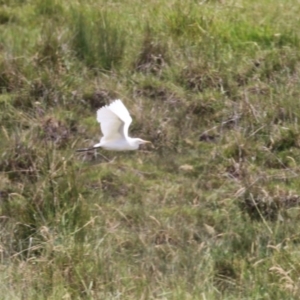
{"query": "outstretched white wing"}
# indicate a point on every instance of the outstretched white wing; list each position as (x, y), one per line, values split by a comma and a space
(114, 121)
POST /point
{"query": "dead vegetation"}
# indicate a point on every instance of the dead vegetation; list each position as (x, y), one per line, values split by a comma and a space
(271, 204)
(19, 162)
(153, 56)
(56, 132)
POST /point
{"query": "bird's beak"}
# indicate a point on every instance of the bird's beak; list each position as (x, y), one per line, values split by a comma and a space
(148, 142)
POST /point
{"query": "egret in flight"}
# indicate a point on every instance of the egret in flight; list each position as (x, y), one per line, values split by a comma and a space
(114, 122)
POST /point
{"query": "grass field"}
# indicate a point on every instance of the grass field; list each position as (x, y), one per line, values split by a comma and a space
(212, 211)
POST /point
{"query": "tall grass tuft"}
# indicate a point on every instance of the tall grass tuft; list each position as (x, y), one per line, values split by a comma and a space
(98, 39)
(48, 7)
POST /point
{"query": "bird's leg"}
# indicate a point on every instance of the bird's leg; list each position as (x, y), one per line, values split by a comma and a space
(84, 149)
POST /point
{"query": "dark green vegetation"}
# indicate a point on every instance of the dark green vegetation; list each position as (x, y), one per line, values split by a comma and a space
(212, 211)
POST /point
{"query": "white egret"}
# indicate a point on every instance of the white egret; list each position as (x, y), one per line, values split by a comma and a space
(114, 122)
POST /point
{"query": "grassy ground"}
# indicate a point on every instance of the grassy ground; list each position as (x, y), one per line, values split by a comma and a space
(212, 211)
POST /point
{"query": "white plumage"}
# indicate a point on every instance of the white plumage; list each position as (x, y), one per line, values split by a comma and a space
(114, 122)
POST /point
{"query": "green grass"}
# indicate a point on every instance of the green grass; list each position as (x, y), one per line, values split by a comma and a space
(211, 211)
